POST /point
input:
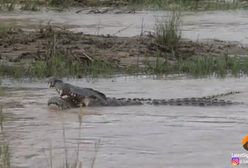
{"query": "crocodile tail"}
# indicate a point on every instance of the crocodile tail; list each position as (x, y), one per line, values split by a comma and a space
(202, 101)
(193, 102)
(223, 95)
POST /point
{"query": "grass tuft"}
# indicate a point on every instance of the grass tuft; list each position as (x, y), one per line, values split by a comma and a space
(155, 4)
(4, 156)
(220, 66)
(189, 4)
(8, 5)
(61, 3)
(30, 5)
(168, 32)
(1, 118)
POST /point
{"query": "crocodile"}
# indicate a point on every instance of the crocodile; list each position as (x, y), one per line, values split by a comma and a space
(77, 94)
(71, 96)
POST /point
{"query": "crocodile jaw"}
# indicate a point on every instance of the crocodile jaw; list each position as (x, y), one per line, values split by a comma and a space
(60, 92)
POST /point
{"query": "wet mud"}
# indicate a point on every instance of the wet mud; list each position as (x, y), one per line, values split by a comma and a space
(22, 48)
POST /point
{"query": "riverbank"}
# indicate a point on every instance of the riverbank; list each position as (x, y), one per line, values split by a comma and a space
(195, 5)
(55, 51)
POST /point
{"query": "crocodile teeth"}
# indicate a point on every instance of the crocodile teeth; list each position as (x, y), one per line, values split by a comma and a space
(65, 96)
(60, 92)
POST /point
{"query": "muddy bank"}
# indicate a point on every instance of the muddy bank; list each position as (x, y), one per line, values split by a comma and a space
(19, 48)
(165, 4)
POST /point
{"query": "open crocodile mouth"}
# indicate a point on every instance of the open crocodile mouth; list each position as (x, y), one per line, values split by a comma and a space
(65, 92)
(75, 98)
(69, 94)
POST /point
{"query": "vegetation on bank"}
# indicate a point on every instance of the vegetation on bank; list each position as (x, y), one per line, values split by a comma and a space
(59, 65)
(202, 66)
(35, 5)
(4, 156)
(168, 32)
(1, 119)
(195, 66)
(190, 4)
(59, 60)
(4, 147)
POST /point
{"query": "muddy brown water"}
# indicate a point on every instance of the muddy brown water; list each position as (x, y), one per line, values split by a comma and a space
(127, 137)
(222, 25)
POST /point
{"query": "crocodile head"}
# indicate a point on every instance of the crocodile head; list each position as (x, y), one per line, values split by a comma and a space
(57, 84)
(64, 90)
(52, 82)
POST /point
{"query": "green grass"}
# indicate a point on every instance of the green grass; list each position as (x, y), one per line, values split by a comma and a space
(62, 63)
(7, 27)
(154, 4)
(4, 28)
(2, 93)
(30, 5)
(8, 5)
(195, 66)
(202, 66)
(4, 147)
(220, 66)
(188, 4)
(61, 3)
(61, 66)
(1, 118)
(168, 31)
(13, 71)
(4, 156)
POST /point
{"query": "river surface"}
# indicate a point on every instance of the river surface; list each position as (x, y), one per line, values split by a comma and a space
(222, 25)
(127, 137)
